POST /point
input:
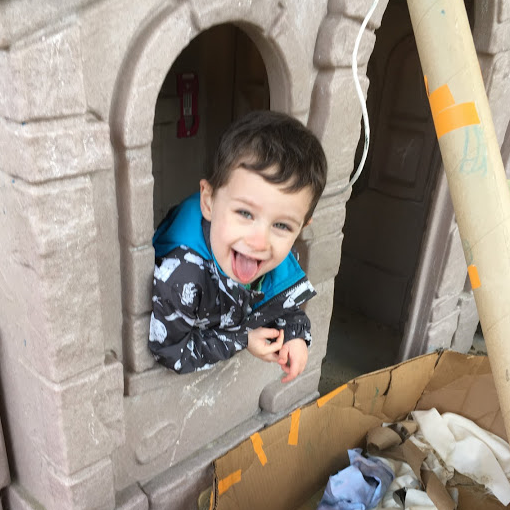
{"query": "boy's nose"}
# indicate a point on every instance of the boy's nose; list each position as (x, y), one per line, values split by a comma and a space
(258, 238)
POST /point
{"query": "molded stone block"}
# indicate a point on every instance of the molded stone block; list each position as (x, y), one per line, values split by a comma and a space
(107, 31)
(336, 40)
(319, 310)
(15, 24)
(108, 254)
(177, 415)
(42, 151)
(78, 422)
(328, 218)
(467, 324)
(43, 78)
(52, 281)
(137, 356)
(5, 477)
(320, 259)
(159, 43)
(132, 498)
(358, 10)
(491, 32)
(334, 97)
(440, 334)
(137, 277)
(276, 396)
(136, 187)
(90, 488)
(454, 271)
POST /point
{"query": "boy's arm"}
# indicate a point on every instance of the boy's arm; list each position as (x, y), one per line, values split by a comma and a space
(179, 339)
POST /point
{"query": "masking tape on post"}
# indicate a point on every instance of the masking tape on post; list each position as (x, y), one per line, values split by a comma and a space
(257, 447)
(294, 427)
(326, 398)
(446, 114)
(474, 277)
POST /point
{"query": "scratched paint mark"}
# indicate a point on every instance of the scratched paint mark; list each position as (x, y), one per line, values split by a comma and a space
(507, 375)
(24, 342)
(474, 160)
(468, 253)
(374, 399)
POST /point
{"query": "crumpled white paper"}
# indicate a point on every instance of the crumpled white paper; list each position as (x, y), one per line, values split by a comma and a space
(466, 447)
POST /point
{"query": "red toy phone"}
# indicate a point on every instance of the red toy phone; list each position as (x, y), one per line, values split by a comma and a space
(187, 90)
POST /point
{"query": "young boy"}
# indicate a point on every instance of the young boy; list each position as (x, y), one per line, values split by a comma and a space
(225, 278)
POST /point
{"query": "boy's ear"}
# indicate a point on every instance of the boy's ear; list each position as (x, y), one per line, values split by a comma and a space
(206, 195)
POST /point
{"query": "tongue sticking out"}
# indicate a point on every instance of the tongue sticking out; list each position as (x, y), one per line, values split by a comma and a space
(245, 268)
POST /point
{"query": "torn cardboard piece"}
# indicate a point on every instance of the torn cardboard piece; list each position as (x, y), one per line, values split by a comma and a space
(330, 426)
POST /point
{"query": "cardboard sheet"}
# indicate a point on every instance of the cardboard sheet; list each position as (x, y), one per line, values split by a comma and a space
(296, 471)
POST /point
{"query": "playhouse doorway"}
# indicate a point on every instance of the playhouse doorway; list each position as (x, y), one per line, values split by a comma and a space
(229, 79)
(387, 212)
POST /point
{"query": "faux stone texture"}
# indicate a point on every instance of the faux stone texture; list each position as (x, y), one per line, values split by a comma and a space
(5, 476)
(42, 151)
(277, 397)
(334, 97)
(15, 24)
(491, 35)
(358, 10)
(157, 46)
(440, 334)
(136, 187)
(107, 30)
(108, 259)
(50, 274)
(321, 258)
(132, 498)
(467, 324)
(137, 356)
(166, 424)
(43, 78)
(336, 41)
(137, 277)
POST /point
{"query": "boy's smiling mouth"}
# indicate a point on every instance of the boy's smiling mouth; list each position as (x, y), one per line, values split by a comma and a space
(244, 268)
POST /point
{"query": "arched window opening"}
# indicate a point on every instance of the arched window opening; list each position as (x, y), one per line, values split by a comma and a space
(218, 77)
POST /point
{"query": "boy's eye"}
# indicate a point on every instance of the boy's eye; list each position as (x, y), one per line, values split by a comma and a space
(283, 226)
(244, 214)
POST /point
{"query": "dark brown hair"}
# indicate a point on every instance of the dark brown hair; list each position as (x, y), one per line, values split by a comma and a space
(263, 139)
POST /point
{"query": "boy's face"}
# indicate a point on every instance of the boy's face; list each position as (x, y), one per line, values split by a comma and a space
(254, 223)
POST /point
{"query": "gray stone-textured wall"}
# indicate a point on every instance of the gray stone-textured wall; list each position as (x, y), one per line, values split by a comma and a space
(92, 422)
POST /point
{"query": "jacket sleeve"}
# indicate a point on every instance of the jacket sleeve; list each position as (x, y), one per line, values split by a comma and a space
(295, 324)
(182, 338)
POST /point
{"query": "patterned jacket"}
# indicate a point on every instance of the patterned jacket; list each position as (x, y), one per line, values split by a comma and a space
(201, 316)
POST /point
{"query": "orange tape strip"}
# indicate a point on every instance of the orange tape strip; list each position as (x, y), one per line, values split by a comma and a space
(257, 447)
(441, 98)
(474, 277)
(227, 482)
(326, 398)
(446, 114)
(455, 117)
(294, 427)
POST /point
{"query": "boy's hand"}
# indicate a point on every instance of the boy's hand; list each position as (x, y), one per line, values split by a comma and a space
(259, 344)
(293, 357)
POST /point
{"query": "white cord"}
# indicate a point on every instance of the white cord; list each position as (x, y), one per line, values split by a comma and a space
(361, 97)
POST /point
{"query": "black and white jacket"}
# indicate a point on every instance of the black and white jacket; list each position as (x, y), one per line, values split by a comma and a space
(201, 316)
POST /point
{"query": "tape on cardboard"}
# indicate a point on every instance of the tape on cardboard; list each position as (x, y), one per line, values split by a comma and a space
(474, 277)
(447, 115)
(326, 398)
(227, 482)
(294, 427)
(257, 447)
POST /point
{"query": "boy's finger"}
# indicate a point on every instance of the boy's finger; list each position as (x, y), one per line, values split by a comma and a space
(270, 332)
